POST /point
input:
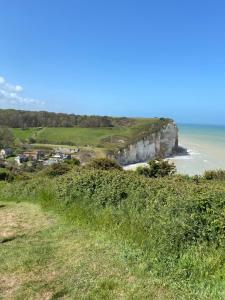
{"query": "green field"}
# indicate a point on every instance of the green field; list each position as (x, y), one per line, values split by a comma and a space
(25, 134)
(81, 136)
(102, 137)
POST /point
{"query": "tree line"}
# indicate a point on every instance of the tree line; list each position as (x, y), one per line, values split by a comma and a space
(25, 119)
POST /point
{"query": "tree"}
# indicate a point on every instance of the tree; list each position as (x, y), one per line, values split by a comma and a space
(73, 162)
(6, 137)
(57, 170)
(104, 164)
(157, 168)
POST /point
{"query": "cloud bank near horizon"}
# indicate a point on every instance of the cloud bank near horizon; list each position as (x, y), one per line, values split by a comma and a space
(12, 95)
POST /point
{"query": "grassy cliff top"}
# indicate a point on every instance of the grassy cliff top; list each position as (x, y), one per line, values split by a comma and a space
(109, 138)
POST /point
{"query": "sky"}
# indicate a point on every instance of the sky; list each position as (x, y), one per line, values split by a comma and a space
(161, 58)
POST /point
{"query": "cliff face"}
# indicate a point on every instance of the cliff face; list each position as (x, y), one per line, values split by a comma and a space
(159, 144)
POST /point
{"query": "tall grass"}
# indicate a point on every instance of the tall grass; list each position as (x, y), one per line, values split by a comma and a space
(176, 224)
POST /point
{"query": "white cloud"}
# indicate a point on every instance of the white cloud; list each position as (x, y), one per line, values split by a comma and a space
(12, 95)
(2, 80)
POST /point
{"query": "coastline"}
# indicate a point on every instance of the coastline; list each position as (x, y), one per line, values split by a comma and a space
(205, 150)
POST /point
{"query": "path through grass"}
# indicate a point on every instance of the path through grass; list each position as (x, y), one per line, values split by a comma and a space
(41, 257)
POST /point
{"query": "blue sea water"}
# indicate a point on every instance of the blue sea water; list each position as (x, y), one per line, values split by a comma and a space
(206, 148)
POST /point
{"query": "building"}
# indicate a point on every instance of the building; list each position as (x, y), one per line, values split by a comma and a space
(34, 155)
(59, 156)
(51, 161)
(6, 152)
(21, 159)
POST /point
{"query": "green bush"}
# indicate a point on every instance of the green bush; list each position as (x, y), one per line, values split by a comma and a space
(57, 170)
(157, 168)
(31, 140)
(214, 174)
(164, 216)
(74, 162)
(104, 164)
(176, 225)
(6, 174)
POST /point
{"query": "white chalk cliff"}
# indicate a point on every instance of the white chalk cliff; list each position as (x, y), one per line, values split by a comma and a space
(159, 144)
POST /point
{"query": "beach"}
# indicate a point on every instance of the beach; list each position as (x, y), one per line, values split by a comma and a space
(205, 145)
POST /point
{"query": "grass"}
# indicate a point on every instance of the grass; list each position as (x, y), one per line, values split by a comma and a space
(102, 137)
(25, 134)
(116, 235)
(82, 136)
(48, 258)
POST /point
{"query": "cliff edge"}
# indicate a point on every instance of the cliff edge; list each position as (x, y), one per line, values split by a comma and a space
(162, 143)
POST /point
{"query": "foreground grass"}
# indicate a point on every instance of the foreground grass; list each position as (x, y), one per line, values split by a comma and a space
(42, 257)
(115, 235)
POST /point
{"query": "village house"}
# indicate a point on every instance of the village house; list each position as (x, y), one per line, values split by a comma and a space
(61, 156)
(6, 152)
(50, 161)
(56, 158)
(21, 159)
(34, 155)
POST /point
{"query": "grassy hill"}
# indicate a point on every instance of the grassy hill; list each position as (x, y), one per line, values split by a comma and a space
(109, 138)
(112, 235)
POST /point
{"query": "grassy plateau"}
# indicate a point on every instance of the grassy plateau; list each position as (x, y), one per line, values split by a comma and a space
(109, 138)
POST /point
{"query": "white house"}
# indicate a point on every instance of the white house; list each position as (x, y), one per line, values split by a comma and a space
(6, 152)
(50, 161)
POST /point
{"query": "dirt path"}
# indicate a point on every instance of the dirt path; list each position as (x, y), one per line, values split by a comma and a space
(42, 258)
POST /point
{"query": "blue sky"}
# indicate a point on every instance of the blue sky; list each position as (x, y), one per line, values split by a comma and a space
(115, 57)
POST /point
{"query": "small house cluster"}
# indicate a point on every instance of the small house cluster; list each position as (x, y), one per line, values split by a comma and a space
(60, 154)
(26, 156)
(56, 158)
(40, 156)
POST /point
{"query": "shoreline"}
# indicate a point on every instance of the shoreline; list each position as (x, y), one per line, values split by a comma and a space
(205, 150)
(181, 155)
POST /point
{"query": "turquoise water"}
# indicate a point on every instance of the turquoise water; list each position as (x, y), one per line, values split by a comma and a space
(206, 148)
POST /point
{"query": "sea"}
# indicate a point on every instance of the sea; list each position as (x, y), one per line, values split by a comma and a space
(206, 149)
(205, 146)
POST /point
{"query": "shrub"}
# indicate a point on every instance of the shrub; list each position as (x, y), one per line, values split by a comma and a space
(178, 225)
(104, 164)
(73, 161)
(2, 164)
(145, 171)
(214, 174)
(31, 140)
(157, 168)
(31, 166)
(57, 170)
(6, 175)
